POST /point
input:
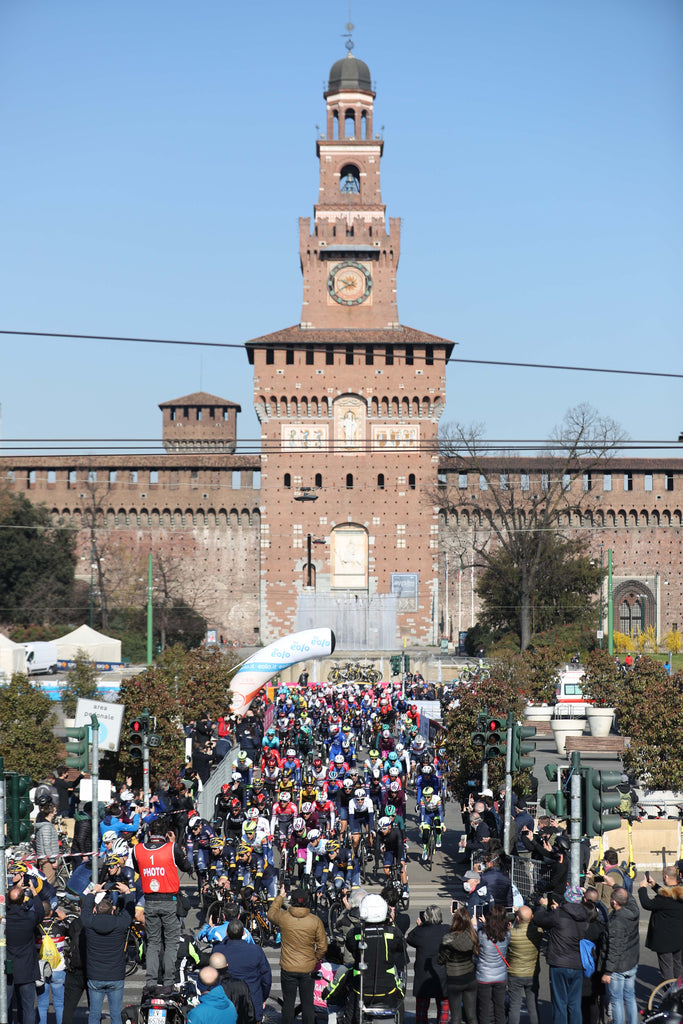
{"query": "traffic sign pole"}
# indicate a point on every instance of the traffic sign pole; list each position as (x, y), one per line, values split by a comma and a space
(508, 781)
(95, 779)
(575, 833)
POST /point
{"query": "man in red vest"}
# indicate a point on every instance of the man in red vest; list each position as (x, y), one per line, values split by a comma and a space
(159, 861)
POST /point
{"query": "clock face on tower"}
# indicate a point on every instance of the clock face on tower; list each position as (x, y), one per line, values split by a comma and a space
(349, 283)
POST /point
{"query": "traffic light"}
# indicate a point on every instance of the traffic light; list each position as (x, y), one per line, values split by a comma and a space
(520, 748)
(144, 721)
(19, 808)
(77, 755)
(556, 804)
(395, 661)
(478, 737)
(597, 801)
(136, 739)
(496, 738)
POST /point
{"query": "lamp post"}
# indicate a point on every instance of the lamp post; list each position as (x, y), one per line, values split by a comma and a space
(601, 566)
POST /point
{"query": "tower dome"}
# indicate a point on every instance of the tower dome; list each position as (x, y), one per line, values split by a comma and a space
(350, 73)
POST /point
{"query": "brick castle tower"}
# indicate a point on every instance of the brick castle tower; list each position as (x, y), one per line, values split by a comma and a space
(349, 402)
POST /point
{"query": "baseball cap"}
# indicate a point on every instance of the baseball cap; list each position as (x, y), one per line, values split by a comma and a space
(472, 874)
(486, 792)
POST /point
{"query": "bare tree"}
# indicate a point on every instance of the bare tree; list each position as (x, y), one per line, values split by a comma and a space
(515, 510)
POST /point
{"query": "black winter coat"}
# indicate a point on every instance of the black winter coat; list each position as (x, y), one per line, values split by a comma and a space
(665, 930)
(623, 949)
(82, 841)
(430, 976)
(565, 927)
(22, 923)
(105, 939)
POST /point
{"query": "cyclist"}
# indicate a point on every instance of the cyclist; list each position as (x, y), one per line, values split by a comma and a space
(291, 767)
(361, 816)
(234, 820)
(325, 810)
(199, 835)
(221, 807)
(244, 767)
(391, 845)
(283, 814)
(431, 817)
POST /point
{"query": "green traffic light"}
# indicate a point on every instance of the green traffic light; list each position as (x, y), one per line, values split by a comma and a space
(77, 754)
(521, 749)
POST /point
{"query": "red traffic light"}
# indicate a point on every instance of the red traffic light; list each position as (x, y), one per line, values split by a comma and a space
(493, 725)
(136, 726)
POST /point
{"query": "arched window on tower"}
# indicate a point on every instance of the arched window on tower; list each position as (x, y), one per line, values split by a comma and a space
(349, 179)
(364, 125)
(288, 480)
(318, 479)
(380, 481)
(349, 124)
(411, 481)
(335, 125)
(349, 481)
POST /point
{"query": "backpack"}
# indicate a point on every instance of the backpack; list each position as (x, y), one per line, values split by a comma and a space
(627, 881)
(588, 956)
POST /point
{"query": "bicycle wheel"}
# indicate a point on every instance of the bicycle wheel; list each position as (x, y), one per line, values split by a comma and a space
(216, 912)
(660, 992)
(256, 930)
(133, 952)
(336, 911)
(431, 847)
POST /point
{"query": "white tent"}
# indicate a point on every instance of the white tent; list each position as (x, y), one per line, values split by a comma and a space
(96, 645)
(12, 657)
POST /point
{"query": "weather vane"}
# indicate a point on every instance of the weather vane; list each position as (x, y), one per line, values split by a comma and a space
(347, 35)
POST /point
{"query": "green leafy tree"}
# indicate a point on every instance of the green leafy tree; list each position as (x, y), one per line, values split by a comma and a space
(27, 743)
(566, 583)
(37, 562)
(81, 681)
(498, 694)
(150, 690)
(649, 706)
(183, 685)
(539, 674)
(504, 523)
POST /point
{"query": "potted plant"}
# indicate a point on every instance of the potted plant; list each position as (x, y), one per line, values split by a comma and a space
(563, 727)
(604, 688)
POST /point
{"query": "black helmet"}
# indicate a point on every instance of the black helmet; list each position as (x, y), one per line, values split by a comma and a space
(562, 844)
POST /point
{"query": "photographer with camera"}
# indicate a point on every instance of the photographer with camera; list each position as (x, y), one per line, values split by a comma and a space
(566, 923)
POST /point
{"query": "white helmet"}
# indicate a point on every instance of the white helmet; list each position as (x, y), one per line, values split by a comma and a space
(313, 835)
(109, 836)
(120, 848)
(385, 822)
(360, 794)
(374, 909)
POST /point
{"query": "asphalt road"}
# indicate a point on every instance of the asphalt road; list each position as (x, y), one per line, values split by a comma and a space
(439, 887)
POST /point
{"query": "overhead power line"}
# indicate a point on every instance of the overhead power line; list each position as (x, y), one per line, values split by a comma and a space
(352, 344)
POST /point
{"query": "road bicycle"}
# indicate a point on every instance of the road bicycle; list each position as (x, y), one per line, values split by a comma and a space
(135, 948)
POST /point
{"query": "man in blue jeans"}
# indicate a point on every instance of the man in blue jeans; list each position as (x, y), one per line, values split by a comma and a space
(623, 955)
(105, 928)
(565, 923)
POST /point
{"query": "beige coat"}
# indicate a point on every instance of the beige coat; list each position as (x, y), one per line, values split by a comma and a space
(304, 942)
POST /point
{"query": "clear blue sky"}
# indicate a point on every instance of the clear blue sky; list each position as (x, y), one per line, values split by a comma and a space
(157, 155)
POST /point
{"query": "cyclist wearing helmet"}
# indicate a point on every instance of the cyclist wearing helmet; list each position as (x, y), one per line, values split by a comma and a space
(343, 868)
(199, 835)
(115, 877)
(345, 796)
(310, 815)
(431, 814)
(297, 848)
(426, 776)
(394, 794)
(391, 845)
(361, 817)
(373, 760)
(257, 799)
(234, 819)
(385, 742)
(319, 771)
(291, 767)
(244, 766)
(375, 788)
(325, 810)
(283, 814)
(221, 807)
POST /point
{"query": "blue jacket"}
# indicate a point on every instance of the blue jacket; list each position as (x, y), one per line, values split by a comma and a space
(248, 962)
(491, 966)
(498, 887)
(214, 1008)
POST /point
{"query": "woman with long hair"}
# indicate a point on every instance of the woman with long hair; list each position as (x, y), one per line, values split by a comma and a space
(492, 966)
(459, 947)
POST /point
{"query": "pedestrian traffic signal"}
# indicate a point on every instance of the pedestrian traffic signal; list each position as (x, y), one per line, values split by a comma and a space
(136, 740)
(19, 808)
(597, 801)
(556, 804)
(478, 737)
(496, 738)
(523, 744)
(77, 755)
(144, 721)
(395, 661)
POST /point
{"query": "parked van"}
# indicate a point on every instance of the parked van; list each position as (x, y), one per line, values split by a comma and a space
(569, 695)
(41, 657)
